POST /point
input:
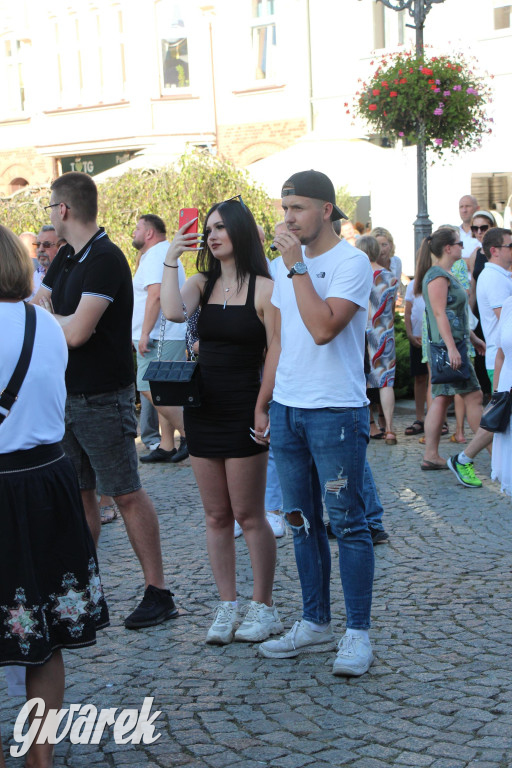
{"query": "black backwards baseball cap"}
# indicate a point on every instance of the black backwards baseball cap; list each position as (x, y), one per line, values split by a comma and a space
(313, 184)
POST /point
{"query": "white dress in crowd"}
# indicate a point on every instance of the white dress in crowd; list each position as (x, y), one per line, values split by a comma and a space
(502, 443)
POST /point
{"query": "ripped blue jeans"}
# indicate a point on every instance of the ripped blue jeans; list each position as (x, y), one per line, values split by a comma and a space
(320, 456)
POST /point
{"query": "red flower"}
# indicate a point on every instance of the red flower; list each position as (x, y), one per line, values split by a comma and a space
(393, 93)
(384, 84)
(372, 107)
(400, 72)
(431, 81)
(375, 91)
(403, 80)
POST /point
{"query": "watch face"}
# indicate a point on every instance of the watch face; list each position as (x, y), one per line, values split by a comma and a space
(300, 268)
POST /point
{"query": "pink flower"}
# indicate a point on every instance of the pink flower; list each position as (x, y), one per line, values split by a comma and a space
(457, 88)
(438, 142)
(447, 93)
(400, 133)
(455, 143)
(438, 111)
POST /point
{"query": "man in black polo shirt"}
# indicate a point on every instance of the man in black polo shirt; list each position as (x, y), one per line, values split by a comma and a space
(88, 287)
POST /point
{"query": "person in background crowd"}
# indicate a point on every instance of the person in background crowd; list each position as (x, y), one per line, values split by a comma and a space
(387, 257)
(380, 334)
(502, 447)
(446, 307)
(149, 238)
(468, 204)
(481, 223)
(349, 232)
(493, 289)
(413, 318)
(29, 240)
(50, 590)
(88, 288)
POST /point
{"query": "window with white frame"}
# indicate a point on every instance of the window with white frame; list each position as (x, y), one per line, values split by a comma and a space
(388, 27)
(264, 40)
(14, 66)
(88, 67)
(173, 37)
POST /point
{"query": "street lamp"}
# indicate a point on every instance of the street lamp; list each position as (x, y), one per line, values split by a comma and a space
(418, 10)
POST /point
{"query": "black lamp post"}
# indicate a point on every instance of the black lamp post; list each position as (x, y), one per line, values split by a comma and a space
(418, 10)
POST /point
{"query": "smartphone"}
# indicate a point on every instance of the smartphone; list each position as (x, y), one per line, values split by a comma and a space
(186, 215)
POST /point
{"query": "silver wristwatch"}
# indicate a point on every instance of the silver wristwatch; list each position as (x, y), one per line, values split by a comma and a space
(299, 268)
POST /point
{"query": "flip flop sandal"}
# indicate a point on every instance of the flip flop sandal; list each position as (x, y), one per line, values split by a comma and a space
(390, 438)
(453, 439)
(108, 514)
(416, 428)
(431, 466)
(445, 429)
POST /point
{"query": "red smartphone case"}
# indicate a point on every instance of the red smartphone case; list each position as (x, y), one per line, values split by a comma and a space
(187, 214)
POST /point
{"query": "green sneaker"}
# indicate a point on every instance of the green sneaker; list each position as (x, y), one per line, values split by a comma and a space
(465, 473)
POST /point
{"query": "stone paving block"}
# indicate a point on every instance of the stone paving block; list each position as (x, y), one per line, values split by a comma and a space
(414, 760)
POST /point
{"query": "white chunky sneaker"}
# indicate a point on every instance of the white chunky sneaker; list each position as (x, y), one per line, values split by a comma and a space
(223, 628)
(238, 530)
(260, 622)
(300, 639)
(354, 657)
(276, 523)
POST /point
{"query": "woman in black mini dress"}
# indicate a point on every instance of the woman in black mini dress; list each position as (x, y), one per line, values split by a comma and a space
(235, 326)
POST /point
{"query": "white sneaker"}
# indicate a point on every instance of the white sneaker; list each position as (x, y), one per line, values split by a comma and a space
(223, 628)
(238, 530)
(300, 639)
(260, 622)
(276, 523)
(354, 657)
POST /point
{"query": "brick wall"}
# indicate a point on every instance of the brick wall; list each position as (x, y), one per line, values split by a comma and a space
(24, 163)
(245, 143)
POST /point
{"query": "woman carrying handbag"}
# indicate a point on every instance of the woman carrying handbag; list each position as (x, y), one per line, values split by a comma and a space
(447, 320)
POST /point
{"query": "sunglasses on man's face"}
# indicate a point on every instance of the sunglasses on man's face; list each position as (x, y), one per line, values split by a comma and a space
(483, 228)
(46, 244)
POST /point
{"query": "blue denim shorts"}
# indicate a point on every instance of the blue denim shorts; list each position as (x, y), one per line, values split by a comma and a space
(100, 441)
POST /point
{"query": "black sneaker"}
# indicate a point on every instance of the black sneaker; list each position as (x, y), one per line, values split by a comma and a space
(378, 536)
(328, 529)
(158, 455)
(182, 452)
(155, 607)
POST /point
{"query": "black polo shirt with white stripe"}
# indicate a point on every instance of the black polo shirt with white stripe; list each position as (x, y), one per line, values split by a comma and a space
(105, 362)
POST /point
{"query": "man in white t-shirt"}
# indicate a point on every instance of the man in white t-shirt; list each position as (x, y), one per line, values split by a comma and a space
(149, 238)
(468, 205)
(493, 288)
(314, 374)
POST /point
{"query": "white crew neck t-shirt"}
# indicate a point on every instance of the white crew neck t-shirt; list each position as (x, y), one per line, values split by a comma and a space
(150, 271)
(37, 416)
(330, 375)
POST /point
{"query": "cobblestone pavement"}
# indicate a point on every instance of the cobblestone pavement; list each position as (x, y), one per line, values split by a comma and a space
(439, 694)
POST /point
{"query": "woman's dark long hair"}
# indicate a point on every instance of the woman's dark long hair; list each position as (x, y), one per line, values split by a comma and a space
(433, 244)
(245, 239)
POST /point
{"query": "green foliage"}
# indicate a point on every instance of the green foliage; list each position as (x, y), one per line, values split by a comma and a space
(439, 99)
(404, 383)
(194, 181)
(24, 211)
(346, 202)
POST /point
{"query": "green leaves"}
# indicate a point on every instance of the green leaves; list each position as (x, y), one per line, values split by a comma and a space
(194, 181)
(440, 98)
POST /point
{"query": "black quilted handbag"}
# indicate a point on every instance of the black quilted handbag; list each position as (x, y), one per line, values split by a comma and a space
(173, 382)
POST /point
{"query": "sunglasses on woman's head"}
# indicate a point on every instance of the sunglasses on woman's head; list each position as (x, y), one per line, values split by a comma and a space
(483, 228)
(236, 197)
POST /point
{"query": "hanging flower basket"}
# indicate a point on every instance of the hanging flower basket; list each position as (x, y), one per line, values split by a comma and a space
(440, 98)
